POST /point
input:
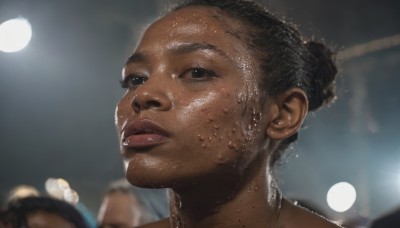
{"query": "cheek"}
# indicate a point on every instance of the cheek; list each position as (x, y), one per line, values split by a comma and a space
(122, 110)
(223, 125)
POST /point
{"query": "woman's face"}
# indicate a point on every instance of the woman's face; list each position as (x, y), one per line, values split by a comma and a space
(192, 109)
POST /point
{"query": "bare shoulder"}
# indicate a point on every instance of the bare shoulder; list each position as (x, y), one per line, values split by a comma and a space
(297, 217)
(159, 224)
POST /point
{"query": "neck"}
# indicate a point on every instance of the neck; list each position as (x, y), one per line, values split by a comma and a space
(252, 203)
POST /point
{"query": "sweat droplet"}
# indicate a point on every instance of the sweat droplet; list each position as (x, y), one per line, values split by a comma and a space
(201, 138)
(230, 144)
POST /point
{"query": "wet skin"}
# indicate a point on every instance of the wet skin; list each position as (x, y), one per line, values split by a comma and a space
(195, 86)
(202, 89)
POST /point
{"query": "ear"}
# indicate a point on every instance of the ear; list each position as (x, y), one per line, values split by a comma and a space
(287, 113)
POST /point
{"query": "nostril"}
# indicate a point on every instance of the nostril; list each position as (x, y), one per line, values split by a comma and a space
(145, 105)
(153, 104)
(136, 106)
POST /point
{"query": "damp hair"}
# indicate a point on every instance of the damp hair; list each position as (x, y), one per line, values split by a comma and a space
(287, 58)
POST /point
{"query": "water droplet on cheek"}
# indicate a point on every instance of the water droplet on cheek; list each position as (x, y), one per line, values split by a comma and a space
(200, 137)
(241, 98)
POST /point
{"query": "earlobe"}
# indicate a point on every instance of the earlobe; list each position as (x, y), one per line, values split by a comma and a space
(287, 114)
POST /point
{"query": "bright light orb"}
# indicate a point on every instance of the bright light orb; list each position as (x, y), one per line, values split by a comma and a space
(341, 196)
(15, 34)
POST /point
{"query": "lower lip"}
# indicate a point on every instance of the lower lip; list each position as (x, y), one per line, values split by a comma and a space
(144, 140)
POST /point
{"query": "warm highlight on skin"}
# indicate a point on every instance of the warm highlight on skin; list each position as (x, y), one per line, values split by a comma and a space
(222, 129)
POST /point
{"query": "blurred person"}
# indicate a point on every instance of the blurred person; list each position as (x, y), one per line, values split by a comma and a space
(41, 212)
(216, 90)
(22, 191)
(125, 205)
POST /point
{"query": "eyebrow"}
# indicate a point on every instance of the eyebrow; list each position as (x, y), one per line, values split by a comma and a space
(193, 47)
(137, 57)
(185, 48)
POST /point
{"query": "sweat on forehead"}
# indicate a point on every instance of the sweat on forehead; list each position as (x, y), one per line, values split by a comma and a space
(215, 20)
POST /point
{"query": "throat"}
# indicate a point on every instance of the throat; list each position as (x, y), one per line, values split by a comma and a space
(256, 204)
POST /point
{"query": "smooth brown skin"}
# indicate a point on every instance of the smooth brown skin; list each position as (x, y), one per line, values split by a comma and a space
(119, 209)
(222, 130)
(43, 219)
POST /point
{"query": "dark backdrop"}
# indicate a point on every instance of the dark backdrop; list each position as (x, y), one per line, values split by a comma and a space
(57, 100)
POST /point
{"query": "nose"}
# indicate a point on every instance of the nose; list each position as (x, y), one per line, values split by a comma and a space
(151, 95)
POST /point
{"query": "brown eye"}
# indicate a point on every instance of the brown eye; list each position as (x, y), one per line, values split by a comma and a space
(133, 81)
(199, 73)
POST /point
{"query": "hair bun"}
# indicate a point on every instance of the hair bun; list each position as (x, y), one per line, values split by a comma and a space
(323, 79)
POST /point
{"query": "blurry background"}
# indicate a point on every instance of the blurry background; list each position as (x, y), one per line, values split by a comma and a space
(57, 99)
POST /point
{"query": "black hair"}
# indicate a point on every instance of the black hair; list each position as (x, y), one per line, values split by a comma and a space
(287, 59)
(17, 211)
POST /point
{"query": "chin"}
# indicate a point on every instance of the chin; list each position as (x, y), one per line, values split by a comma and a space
(144, 176)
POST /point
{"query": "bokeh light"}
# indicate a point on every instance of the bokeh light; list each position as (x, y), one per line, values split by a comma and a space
(15, 34)
(341, 196)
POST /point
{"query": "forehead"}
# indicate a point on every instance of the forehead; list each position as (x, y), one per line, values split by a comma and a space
(44, 219)
(196, 23)
(199, 17)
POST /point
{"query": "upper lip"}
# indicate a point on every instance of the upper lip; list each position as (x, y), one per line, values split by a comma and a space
(143, 126)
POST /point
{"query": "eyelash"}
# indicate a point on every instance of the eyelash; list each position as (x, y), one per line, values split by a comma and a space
(127, 82)
(205, 74)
